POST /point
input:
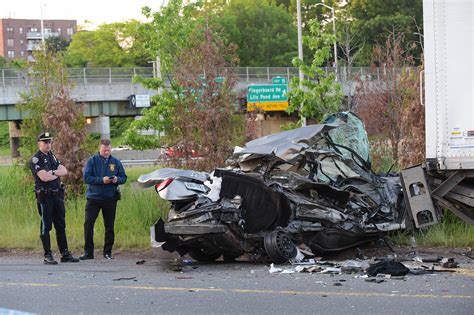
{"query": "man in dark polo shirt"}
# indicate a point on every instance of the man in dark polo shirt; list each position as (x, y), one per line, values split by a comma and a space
(103, 174)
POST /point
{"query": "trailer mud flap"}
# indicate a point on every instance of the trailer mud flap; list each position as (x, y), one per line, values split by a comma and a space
(418, 198)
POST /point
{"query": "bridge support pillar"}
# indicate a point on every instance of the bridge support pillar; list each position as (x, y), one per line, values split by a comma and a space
(100, 125)
(104, 127)
(14, 131)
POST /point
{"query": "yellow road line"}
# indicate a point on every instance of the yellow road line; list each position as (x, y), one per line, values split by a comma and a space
(249, 291)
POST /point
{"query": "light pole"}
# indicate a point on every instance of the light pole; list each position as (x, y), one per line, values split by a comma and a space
(334, 32)
(42, 25)
(300, 47)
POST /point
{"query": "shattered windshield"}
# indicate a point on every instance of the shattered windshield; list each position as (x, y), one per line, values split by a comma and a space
(349, 134)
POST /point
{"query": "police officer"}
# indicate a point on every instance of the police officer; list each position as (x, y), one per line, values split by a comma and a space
(47, 170)
(103, 174)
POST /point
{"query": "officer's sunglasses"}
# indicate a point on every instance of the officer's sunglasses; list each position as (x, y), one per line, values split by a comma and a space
(47, 141)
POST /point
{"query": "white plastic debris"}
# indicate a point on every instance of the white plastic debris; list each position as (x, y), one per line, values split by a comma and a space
(274, 269)
(354, 266)
(331, 270)
(215, 187)
(299, 257)
(299, 268)
(305, 262)
(287, 271)
(418, 259)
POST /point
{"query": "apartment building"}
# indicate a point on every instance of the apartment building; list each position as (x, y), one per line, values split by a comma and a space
(20, 37)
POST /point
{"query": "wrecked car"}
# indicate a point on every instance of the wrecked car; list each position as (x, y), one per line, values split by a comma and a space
(310, 188)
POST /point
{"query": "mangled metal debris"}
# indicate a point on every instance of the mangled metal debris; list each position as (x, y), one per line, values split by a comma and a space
(310, 187)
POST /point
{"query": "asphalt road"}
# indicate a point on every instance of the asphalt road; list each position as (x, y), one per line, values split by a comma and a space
(120, 286)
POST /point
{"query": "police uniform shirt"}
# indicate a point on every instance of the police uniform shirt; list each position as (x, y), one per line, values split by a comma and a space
(47, 162)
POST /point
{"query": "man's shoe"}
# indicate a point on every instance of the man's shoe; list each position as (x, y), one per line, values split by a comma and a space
(68, 257)
(49, 260)
(86, 256)
(108, 256)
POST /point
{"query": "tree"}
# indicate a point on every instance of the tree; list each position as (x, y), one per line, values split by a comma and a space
(370, 21)
(311, 11)
(56, 44)
(197, 111)
(389, 104)
(3, 62)
(374, 19)
(283, 3)
(264, 34)
(110, 45)
(204, 113)
(166, 36)
(50, 107)
(318, 94)
(350, 45)
(168, 32)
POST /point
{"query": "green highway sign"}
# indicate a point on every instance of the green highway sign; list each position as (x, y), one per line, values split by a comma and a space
(267, 93)
(279, 80)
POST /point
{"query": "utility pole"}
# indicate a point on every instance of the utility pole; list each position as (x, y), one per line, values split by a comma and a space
(42, 25)
(300, 47)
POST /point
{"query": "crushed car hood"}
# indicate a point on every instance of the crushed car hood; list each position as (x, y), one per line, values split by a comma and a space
(285, 145)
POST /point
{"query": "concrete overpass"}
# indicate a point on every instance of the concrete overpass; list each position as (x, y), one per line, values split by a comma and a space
(106, 91)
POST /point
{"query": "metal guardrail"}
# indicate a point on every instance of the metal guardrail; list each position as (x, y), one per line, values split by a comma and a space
(139, 162)
(14, 77)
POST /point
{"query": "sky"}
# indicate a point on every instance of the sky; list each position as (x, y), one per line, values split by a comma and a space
(95, 11)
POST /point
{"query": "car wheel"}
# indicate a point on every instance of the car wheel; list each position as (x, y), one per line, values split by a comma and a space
(279, 247)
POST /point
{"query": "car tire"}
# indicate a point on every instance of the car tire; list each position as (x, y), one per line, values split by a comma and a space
(279, 247)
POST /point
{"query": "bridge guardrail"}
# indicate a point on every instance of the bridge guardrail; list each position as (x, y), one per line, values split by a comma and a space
(14, 77)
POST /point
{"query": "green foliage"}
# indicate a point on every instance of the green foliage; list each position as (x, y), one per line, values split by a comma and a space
(320, 95)
(3, 62)
(110, 45)
(196, 112)
(50, 108)
(4, 134)
(381, 155)
(374, 19)
(158, 118)
(19, 64)
(450, 232)
(136, 212)
(265, 34)
(369, 22)
(118, 125)
(283, 3)
(47, 76)
(168, 32)
(56, 44)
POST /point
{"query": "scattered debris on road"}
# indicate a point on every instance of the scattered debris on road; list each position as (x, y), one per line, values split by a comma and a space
(125, 278)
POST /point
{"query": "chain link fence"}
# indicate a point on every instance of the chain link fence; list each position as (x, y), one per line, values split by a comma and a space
(263, 75)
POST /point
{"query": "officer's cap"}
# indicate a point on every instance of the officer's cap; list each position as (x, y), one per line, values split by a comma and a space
(44, 136)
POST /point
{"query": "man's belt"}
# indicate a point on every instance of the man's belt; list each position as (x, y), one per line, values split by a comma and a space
(48, 191)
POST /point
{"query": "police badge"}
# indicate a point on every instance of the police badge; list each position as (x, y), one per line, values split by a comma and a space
(112, 167)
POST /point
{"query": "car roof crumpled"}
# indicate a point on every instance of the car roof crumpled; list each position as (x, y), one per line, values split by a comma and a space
(286, 144)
